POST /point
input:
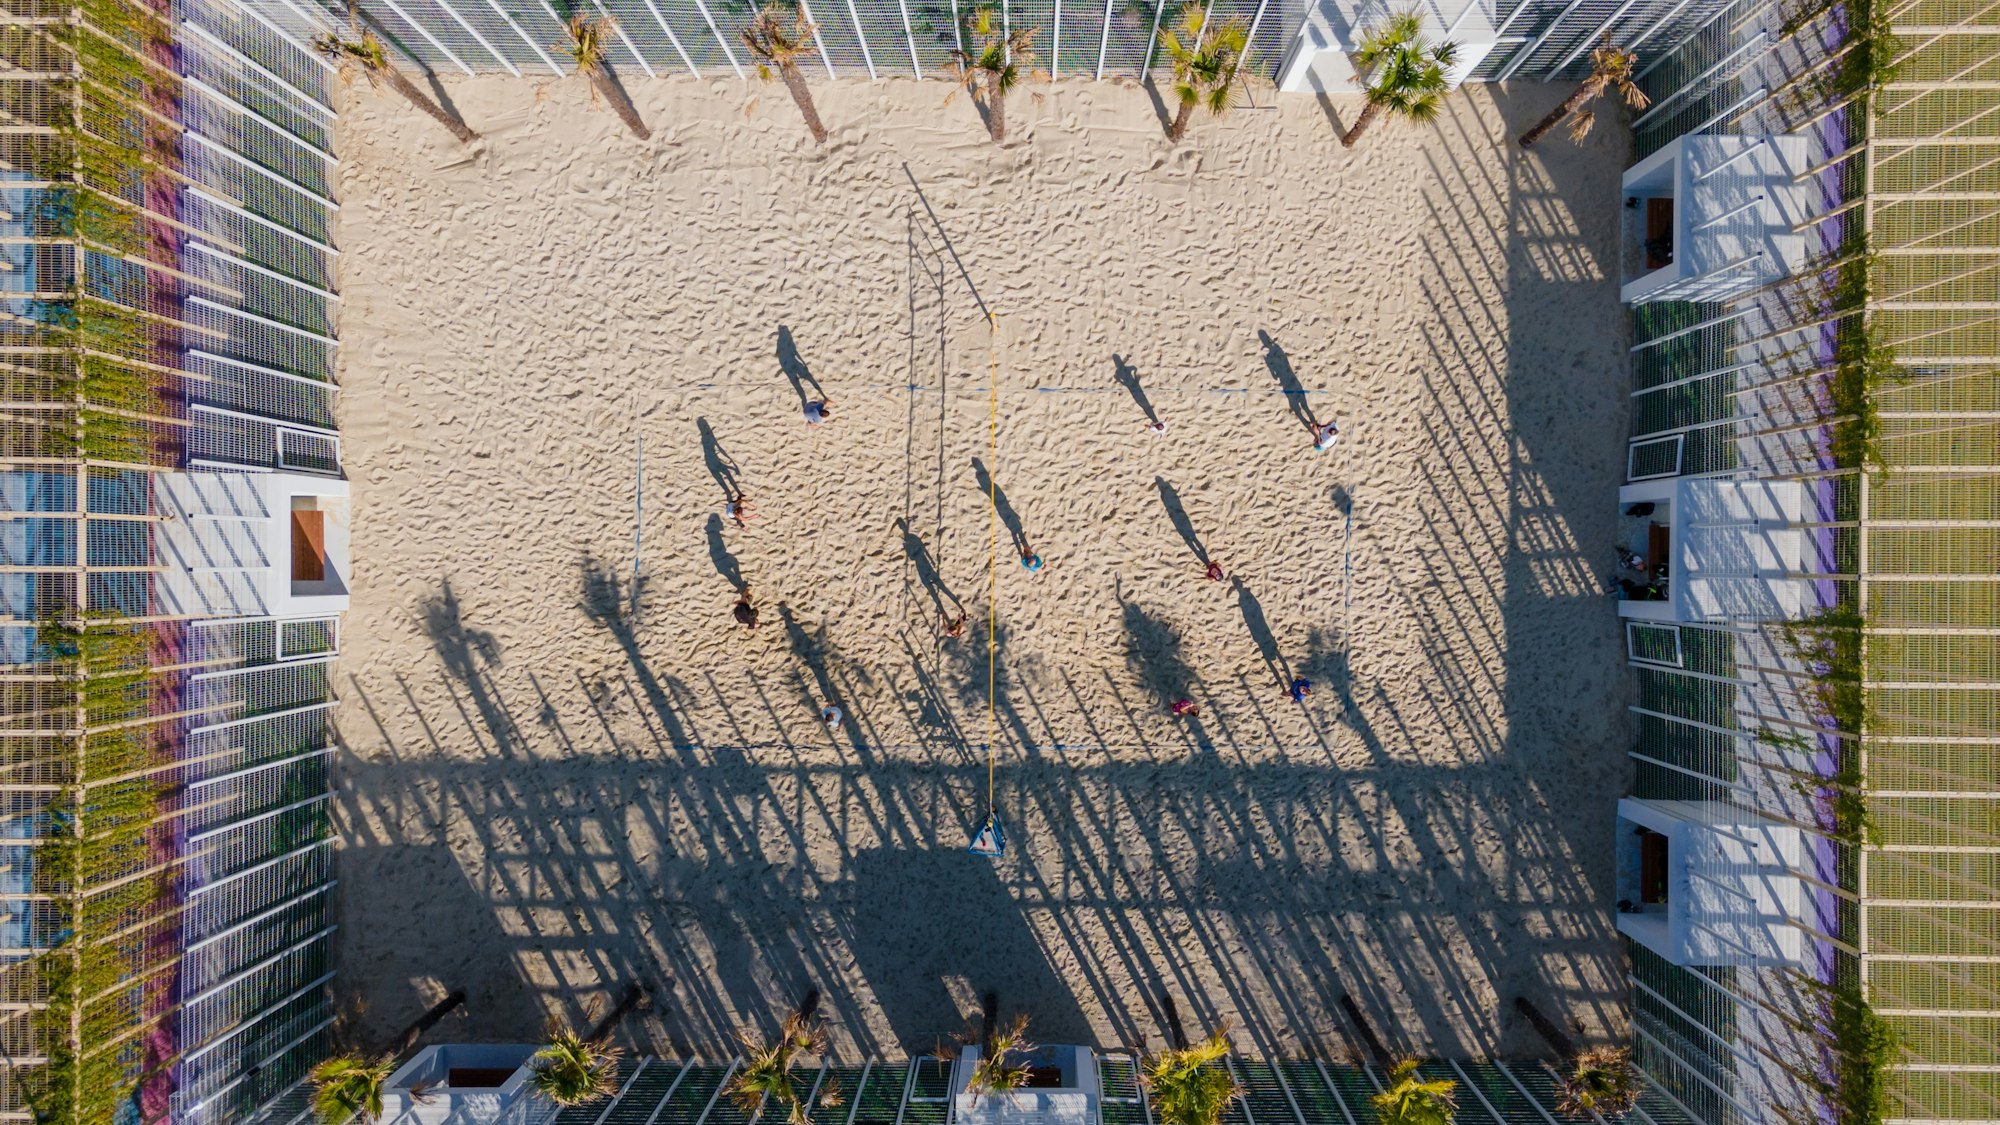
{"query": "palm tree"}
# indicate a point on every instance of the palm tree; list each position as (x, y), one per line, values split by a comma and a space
(1185, 1087)
(1611, 68)
(1401, 71)
(587, 47)
(1603, 1083)
(366, 54)
(1205, 65)
(778, 41)
(997, 62)
(349, 1087)
(995, 1073)
(1410, 1100)
(766, 1075)
(572, 1070)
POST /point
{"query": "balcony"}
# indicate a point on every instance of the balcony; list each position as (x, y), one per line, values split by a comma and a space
(1702, 883)
(1709, 217)
(1692, 550)
(463, 1084)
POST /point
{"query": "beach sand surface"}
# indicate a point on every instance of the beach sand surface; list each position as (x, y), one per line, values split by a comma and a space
(565, 768)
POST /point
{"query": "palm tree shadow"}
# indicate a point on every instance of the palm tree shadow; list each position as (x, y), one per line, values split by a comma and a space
(794, 366)
(1325, 104)
(617, 85)
(1127, 376)
(811, 651)
(1280, 366)
(1159, 104)
(609, 601)
(464, 650)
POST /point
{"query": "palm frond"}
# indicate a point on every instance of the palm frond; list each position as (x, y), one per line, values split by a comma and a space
(1399, 31)
(1187, 1087)
(1401, 70)
(366, 51)
(1580, 124)
(994, 52)
(349, 1088)
(766, 1075)
(999, 1068)
(1206, 58)
(586, 40)
(571, 1070)
(1410, 1100)
(1603, 1083)
(777, 35)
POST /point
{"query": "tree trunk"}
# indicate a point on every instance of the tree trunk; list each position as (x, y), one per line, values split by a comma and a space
(796, 83)
(1179, 128)
(1570, 105)
(409, 1036)
(1361, 124)
(609, 1024)
(1549, 1031)
(996, 108)
(423, 101)
(620, 105)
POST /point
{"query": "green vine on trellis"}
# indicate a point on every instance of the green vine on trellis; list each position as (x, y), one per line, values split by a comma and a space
(1862, 1046)
(1859, 1044)
(1862, 364)
(1869, 63)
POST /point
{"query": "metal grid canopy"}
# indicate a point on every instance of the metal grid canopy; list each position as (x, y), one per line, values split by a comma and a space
(1874, 722)
(165, 306)
(654, 1091)
(1538, 39)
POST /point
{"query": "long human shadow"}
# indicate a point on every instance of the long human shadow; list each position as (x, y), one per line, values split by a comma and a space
(794, 366)
(1127, 376)
(1177, 513)
(718, 553)
(810, 652)
(721, 465)
(1000, 505)
(1155, 654)
(1280, 366)
(927, 572)
(1260, 632)
(1154, 651)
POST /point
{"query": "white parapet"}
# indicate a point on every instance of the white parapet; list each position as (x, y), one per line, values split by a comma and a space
(464, 1084)
(1063, 1091)
(1320, 60)
(1709, 217)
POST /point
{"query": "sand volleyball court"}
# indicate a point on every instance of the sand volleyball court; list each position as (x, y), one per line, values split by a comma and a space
(562, 773)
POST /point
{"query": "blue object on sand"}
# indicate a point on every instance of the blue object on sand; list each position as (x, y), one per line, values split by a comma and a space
(990, 841)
